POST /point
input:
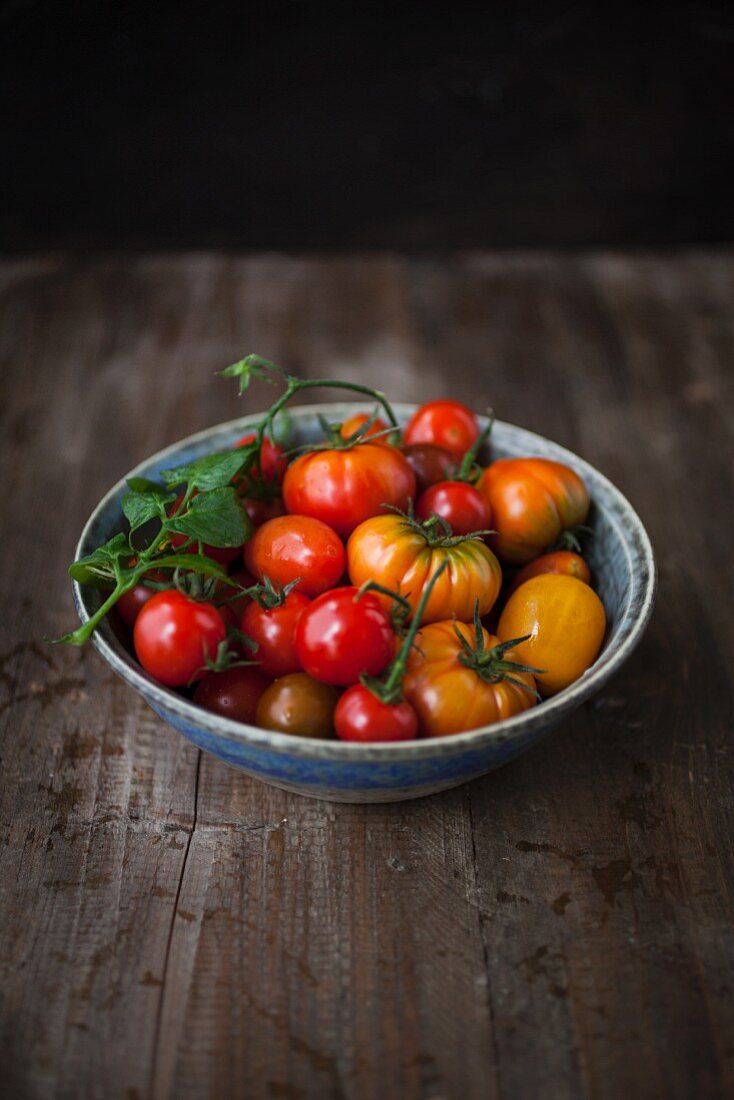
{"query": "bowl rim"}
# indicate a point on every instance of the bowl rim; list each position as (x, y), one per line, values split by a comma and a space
(633, 536)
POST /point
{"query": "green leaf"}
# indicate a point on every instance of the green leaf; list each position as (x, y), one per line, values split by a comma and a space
(196, 563)
(215, 517)
(98, 568)
(211, 471)
(252, 366)
(142, 484)
(141, 506)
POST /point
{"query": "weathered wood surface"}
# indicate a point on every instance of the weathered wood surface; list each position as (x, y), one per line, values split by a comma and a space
(562, 928)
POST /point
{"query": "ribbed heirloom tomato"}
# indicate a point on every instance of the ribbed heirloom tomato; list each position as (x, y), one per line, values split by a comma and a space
(174, 636)
(450, 696)
(565, 621)
(447, 423)
(343, 487)
(533, 500)
(290, 548)
(403, 555)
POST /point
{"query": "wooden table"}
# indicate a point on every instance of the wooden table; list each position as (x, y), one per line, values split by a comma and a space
(561, 928)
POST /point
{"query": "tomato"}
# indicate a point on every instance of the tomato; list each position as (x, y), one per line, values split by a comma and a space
(289, 547)
(532, 500)
(345, 487)
(446, 423)
(430, 463)
(228, 603)
(460, 504)
(361, 716)
(353, 423)
(297, 704)
(272, 459)
(338, 637)
(131, 603)
(566, 562)
(261, 509)
(451, 697)
(174, 636)
(396, 553)
(225, 555)
(566, 622)
(274, 630)
(234, 693)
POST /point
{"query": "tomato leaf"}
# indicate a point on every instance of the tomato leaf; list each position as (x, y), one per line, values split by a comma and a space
(215, 517)
(140, 506)
(98, 568)
(211, 471)
(196, 563)
(252, 366)
(142, 484)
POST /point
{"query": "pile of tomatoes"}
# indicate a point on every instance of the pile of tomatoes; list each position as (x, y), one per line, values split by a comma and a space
(391, 587)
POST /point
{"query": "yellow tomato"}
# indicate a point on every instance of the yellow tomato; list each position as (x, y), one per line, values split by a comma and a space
(566, 622)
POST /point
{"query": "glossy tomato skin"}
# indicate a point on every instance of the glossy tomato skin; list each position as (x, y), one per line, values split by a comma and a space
(234, 693)
(174, 636)
(352, 423)
(272, 459)
(289, 547)
(532, 501)
(430, 463)
(565, 562)
(360, 716)
(299, 705)
(274, 630)
(345, 487)
(460, 504)
(449, 697)
(449, 424)
(566, 622)
(339, 637)
(388, 550)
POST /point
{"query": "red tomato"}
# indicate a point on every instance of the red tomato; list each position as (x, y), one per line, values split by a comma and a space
(361, 716)
(447, 423)
(234, 693)
(131, 603)
(430, 464)
(222, 554)
(352, 423)
(274, 630)
(345, 487)
(290, 547)
(272, 460)
(174, 636)
(232, 607)
(460, 504)
(261, 509)
(338, 637)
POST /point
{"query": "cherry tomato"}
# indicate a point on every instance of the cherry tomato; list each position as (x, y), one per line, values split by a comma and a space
(345, 487)
(261, 509)
(566, 562)
(289, 547)
(450, 697)
(532, 500)
(361, 716)
(352, 423)
(430, 463)
(460, 504)
(274, 630)
(131, 603)
(395, 553)
(234, 693)
(174, 636)
(272, 459)
(338, 637)
(297, 704)
(446, 423)
(566, 622)
(225, 555)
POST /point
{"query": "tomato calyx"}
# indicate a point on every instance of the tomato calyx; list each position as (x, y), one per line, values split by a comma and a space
(569, 539)
(268, 595)
(389, 687)
(437, 531)
(490, 664)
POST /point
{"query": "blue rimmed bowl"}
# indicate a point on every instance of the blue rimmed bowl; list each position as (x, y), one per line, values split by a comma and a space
(620, 556)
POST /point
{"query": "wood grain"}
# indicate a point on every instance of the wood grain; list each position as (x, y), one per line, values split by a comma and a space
(562, 928)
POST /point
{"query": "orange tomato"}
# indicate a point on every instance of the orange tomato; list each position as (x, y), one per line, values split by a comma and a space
(395, 552)
(566, 562)
(532, 500)
(566, 622)
(353, 423)
(450, 697)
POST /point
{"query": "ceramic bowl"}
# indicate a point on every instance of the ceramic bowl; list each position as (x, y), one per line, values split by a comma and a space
(622, 563)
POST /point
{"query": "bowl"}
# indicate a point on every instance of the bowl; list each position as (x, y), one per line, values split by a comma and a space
(621, 559)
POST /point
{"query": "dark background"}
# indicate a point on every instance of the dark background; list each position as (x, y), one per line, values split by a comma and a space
(299, 125)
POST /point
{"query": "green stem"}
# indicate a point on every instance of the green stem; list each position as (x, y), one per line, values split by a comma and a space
(468, 468)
